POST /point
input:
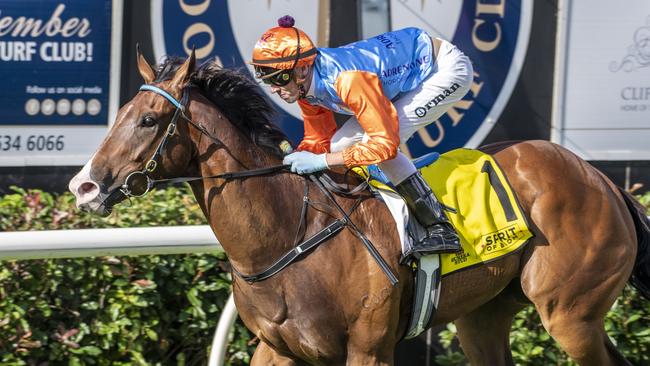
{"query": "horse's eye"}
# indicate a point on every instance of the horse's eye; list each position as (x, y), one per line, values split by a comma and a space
(148, 121)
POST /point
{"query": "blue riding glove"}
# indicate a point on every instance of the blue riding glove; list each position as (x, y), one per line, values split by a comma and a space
(304, 162)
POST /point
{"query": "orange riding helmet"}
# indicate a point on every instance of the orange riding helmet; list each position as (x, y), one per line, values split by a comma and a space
(284, 47)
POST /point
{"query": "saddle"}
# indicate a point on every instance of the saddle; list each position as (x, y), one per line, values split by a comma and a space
(481, 205)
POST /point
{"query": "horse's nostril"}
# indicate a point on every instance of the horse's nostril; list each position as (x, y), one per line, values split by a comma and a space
(86, 188)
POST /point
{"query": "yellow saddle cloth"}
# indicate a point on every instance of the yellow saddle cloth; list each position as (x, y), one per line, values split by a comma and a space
(487, 216)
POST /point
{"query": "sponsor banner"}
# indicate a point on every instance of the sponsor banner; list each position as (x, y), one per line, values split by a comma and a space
(56, 70)
(55, 62)
(494, 35)
(603, 101)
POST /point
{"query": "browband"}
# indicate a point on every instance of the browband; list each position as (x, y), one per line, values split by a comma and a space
(163, 93)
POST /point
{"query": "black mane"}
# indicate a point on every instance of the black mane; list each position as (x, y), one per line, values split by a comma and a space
(238, 97)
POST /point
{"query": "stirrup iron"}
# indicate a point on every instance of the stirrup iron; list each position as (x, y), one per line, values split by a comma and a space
(426, 295)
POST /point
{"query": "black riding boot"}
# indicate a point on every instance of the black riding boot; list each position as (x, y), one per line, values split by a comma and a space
(437, 234)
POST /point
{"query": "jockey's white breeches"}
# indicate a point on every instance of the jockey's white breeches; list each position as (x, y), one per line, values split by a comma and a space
(450, 80)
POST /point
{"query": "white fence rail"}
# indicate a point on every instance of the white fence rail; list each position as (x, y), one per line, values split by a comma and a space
(128, 241)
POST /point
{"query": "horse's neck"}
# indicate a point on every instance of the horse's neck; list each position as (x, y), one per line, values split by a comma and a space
(255, 218)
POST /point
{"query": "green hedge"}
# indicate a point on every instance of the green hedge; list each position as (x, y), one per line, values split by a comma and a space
(144, 310)
(162, 310)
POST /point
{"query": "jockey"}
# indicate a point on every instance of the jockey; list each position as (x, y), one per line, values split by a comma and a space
(392, 85)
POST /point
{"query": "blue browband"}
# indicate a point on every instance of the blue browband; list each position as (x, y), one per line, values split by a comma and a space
(163, 93)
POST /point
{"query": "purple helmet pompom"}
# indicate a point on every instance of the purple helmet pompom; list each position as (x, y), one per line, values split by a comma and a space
(286, 21)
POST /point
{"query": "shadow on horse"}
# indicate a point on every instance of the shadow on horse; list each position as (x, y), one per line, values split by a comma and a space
(334, 305)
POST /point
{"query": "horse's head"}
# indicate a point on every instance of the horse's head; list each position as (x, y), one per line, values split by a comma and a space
(142, 144)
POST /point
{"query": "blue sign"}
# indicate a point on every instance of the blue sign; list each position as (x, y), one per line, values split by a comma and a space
(55, 62)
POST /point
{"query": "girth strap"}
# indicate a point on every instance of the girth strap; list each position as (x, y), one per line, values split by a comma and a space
(321, 236)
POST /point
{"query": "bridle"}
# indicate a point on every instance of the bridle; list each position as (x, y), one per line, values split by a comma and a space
(152, 163)
(126, 190)
(322, 181)
(129, 189)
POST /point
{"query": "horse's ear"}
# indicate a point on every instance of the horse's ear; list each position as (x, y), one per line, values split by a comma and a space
(184, 72)
(143, 66)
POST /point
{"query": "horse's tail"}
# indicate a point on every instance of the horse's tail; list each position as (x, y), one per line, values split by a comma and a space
(641, 273)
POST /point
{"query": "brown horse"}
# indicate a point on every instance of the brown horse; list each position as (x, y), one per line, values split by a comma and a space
(334, 305)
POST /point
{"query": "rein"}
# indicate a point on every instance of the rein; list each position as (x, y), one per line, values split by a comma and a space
(322, 181)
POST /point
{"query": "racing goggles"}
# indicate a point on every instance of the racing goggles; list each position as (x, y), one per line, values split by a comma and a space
(271, 76)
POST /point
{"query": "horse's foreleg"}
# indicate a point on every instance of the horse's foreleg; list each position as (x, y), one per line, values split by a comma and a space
(369, 348)
(484, 332)
(267, 356)
(372, 342)
(362, 358)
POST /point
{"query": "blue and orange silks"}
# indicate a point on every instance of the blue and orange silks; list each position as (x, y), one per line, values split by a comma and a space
(360, 79)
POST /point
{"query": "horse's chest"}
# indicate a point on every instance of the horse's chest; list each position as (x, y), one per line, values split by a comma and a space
(266, 315)
(313, 344)
(299, 329)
